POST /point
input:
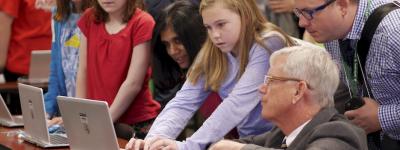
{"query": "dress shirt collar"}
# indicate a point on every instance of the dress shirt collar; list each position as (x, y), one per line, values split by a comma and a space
(290, 138)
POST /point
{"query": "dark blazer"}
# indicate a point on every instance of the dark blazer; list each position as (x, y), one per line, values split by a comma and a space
(328, 130)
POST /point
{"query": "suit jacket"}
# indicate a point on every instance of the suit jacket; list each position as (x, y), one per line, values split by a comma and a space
(328, 130)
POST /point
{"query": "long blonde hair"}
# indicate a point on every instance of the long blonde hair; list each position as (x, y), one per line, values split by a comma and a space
(212, 62)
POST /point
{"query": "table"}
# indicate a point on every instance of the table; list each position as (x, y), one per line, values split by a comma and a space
(9, 91)
(9, 138)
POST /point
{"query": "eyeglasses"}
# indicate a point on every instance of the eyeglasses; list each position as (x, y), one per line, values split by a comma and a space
(268, 79)
(309, 13)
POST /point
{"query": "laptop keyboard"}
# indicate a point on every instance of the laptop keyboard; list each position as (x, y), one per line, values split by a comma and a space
(5, 122)
(58, 139)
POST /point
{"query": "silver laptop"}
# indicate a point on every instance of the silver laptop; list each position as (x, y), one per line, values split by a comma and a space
(2, 79)
(88, 124)
(36, 131)
(6, 119)
(39, 67)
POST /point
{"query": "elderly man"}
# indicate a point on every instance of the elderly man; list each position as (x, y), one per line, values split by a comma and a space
(298, 97)
(339, 22)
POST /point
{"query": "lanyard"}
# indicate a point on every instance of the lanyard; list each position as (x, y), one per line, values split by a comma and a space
(351, 75)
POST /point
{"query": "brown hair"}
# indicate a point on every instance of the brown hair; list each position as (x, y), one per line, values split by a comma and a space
(65, 8)
(131, 5)
(212, 63)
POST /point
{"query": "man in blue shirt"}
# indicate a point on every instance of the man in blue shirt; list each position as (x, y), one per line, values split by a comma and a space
(334, 21)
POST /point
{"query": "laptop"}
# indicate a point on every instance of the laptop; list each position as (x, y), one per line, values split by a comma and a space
(39, 67)
(2, 79)
(88, 124)
(36, 131)
(6, 119)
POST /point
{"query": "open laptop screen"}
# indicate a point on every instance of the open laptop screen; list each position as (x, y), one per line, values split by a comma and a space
(39, 67)
(88, 123)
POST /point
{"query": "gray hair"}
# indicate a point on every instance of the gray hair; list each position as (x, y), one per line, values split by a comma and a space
(313, 65)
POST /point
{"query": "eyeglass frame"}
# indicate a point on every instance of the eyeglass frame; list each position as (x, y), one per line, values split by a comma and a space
(268, 79)
(311, 12)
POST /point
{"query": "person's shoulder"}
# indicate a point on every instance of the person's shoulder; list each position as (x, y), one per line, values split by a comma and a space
(338, 125)
(142, 16)
(86, 21)
(88, 17)
(272, 34)
(11, 7)
(272, 40)
(89, 13)
(387, 33)
(390, 22)
(342, 132)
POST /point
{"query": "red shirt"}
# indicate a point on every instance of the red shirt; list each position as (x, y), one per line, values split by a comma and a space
(210, 104)
(108, 61)
(30, 31)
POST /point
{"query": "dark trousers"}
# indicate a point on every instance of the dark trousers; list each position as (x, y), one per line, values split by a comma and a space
(376, 142)
(13, 97)
(11, 76)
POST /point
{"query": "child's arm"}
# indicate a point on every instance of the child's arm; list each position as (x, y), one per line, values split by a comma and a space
(53, 91)
(5, 30)
(133, 83)
(81, 75)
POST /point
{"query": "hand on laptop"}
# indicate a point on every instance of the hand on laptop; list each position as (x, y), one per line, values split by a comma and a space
(56, 129)
(54, 121)
(135, 144)
(165, 143)
(153, 143)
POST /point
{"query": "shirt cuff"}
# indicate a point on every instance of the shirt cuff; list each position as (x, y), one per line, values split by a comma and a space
(181, 145)
(389, 120)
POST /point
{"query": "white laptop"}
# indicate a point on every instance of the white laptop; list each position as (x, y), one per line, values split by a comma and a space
(36, 131)
(39, 67)
(88, 124)
(6, 119)
(2, 79)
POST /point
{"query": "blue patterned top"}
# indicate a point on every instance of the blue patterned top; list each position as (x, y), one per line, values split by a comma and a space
(383, 63)
(70, 41)
(64, 61)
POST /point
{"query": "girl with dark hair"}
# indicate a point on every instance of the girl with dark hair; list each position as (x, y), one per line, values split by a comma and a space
(64, 54)
(178, 37)
(114, 61)
(154, 7)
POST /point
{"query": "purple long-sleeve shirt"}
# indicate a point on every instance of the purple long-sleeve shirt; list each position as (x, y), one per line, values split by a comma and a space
(240, 108)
